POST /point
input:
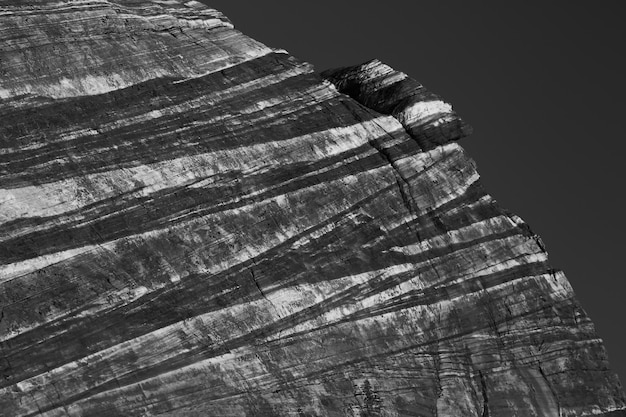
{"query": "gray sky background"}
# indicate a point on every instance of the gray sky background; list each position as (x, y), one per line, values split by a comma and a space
(543, 85)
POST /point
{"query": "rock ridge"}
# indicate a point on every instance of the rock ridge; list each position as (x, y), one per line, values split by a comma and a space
(425, 116)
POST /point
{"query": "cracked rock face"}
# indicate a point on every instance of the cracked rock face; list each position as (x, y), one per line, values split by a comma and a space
(192, 223)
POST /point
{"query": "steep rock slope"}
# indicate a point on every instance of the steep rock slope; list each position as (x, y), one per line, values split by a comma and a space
(192, 223)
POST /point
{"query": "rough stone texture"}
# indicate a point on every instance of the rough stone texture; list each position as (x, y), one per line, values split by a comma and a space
(192, 223)
(424, 115)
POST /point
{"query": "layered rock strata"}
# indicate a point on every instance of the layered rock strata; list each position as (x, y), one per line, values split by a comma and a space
(425, 116)
(192, 223)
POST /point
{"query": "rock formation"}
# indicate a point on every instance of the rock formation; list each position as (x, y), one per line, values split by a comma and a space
(424, 115)
(192, 223)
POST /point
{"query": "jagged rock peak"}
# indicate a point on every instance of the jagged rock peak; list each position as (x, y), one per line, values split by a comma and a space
(426, 116)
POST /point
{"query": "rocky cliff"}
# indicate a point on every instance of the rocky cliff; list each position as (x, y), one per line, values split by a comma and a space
(192, 223)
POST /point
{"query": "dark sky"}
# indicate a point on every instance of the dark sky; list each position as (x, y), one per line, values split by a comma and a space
(542, 83)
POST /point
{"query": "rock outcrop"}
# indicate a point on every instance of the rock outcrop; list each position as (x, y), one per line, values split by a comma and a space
(425, 116)
(192, 223)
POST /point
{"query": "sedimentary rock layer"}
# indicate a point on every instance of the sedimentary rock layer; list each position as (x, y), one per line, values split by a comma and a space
(192, 223)
(425, 116)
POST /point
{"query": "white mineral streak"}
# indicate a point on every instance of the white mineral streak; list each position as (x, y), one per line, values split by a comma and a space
(55, 198)
(376, 70)
(465, 234)
(160, 341)
(175, 18)
(18, 269)
(214, 98)
(106, 301)
(15, 270)
(422, 111)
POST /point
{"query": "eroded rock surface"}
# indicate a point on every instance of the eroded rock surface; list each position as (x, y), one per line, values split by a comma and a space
(192, 223)
(425, 116)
